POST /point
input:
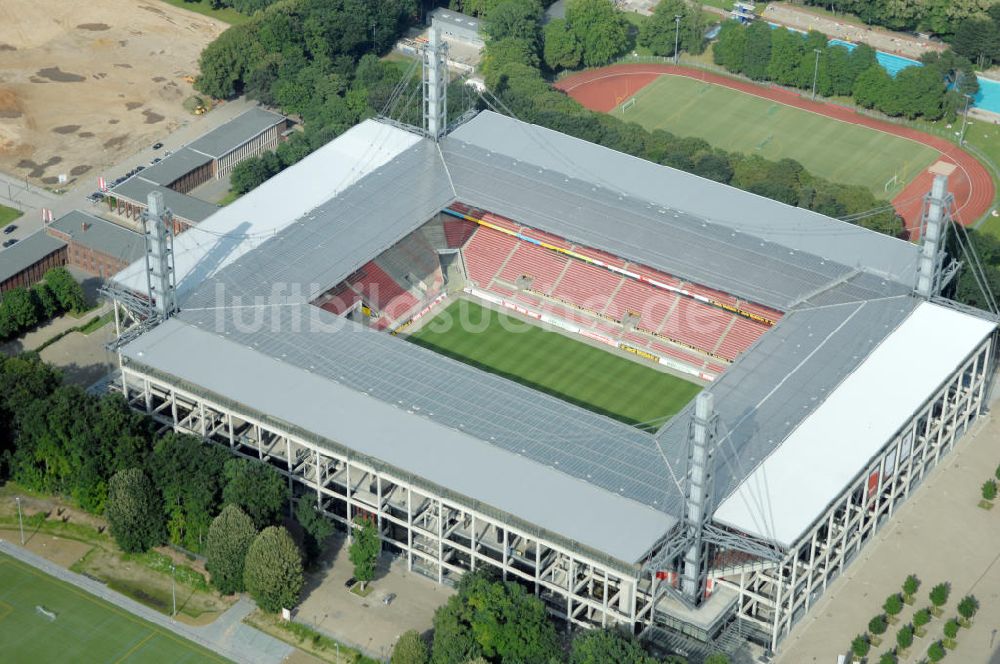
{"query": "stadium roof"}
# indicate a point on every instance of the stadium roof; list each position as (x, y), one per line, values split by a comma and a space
(315, 223)
(289, 196)
(100, 235)
(779, 500)
(26, 253)
(172, 168)
(395, 434)
(221, 141)
(186, 207)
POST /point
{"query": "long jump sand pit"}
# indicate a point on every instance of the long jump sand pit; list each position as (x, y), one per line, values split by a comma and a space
(83, 84)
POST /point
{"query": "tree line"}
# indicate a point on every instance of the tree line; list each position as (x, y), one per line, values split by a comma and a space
(22, 308)
(790, 58)
(313, 59)
(940, 17)
(489, 620)
(153, 489)
(517, 80)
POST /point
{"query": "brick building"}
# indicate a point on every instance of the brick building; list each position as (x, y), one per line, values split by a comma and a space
(94, 245)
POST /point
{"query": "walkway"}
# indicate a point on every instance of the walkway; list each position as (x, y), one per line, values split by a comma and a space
(971, 184)
(227, 636)
(940, 535)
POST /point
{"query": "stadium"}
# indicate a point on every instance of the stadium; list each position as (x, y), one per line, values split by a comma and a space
(771, 384)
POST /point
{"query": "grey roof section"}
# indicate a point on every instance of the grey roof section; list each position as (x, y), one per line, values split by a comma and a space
(172, 168)
(792, 227)
(398, 434)
(335, 239)
(221, 141)
(456, 19)
(764, 395)
(184, 206)
(668, 239)
(26, 253)
(101, 235)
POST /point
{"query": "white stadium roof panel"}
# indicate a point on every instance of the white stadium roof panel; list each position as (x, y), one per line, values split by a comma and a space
(787, 492)
(245, 224)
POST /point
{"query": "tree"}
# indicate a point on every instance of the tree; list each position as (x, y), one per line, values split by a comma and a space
(996, 473)
(229, 539)
(888, 658)
(977, 40)
(134, 514)
(17, 312)
(256, 487)
(989, 489)
(872, 87)
(599, 27)
(600, 646)
(66, 289)
(878, 625)
(786, 54)
(273, 570)
(730, 46)
(757, 56)
(562, 49)
(410, 649)
(495, 620)
(518, 19)
(951, 632)
(904, 637)
(935, 652)
(939, 596)
(921, 618)
(365, 549)
(860, 646)
(717, 658)
(967, 608)
(660, 31)
(188, 473)
(316, 528)
(910, 587)
(46, 303)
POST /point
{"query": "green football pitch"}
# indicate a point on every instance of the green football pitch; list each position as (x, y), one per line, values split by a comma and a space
(550, 362)
(740, 122)
(86, 629)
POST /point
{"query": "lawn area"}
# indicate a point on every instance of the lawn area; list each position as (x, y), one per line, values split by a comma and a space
(7, 215)
(86, 629)
(226, 14)
(736, 121)
(550, 362)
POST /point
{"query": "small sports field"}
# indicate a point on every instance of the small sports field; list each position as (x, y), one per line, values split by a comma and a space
(595, 379)
(85, 629)
(740, 122)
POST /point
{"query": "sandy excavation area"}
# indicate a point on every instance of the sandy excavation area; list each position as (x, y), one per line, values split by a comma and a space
(84, 84)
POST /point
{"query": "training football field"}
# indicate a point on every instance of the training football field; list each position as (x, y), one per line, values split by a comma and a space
(595, 379)
(740, 122)
(85, 629)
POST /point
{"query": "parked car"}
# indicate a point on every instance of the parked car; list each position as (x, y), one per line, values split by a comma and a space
(9, 229)
(10, 242)
(157, 145)
(350, 583)
(387, 600)
(156, 161)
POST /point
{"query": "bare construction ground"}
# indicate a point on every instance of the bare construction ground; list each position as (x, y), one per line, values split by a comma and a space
(84, 84)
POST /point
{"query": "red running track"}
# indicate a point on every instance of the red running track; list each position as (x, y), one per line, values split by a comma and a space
(604, 89)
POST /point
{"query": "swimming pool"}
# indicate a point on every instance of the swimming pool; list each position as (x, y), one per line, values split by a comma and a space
(988, 97)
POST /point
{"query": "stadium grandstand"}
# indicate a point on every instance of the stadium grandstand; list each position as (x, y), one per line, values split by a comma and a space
(833, 375)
